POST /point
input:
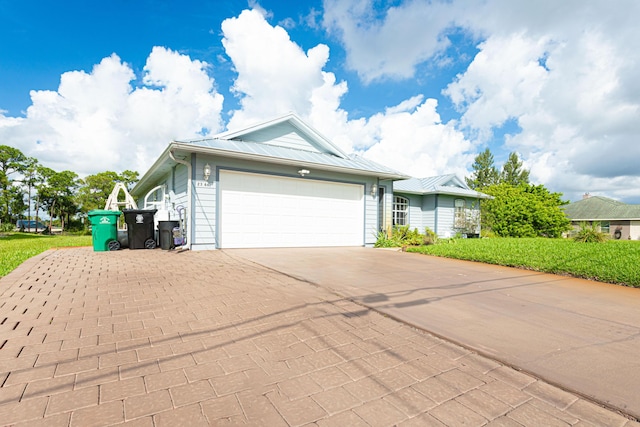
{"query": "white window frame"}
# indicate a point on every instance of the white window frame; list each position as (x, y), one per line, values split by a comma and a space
(400, 210)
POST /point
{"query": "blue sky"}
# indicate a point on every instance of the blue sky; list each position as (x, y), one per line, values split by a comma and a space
(420, 86)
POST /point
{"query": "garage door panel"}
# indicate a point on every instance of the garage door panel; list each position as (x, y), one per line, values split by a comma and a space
(268, 211)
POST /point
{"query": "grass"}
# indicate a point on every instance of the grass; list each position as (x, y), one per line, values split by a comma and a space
(15, 248)
(613, 261)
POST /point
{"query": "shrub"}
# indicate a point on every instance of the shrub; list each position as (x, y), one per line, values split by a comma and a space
(430, 237)
(487, 233)
(590, 233)
(6, 226)
(403, 236)
(413, 237)
(385, 239)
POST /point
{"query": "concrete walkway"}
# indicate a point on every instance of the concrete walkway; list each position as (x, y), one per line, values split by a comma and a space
(155, 338)
(582, 335)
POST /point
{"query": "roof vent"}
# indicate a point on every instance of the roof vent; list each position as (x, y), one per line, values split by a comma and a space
(586, 196)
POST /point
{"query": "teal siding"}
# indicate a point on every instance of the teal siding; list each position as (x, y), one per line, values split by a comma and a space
(445, 216)
(428, 211)
(204, 205)
(178, 186)
(416, 219)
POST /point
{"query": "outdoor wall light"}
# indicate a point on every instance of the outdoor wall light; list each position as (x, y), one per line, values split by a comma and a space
(303, 172)
(206, 172)
(374, 190)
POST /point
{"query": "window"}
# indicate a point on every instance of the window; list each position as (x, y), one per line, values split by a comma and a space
(400, 208)
(605, 227)
(460, 214)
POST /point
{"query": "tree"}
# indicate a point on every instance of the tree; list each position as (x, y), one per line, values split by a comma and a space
(524, 211)
(129, 178)
(95, 189)
(29, 179)
(512, 171)
(484, 172)
(12, 161)
(15, 196)
(56, 193)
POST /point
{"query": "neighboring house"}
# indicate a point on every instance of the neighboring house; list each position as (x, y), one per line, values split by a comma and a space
(276, 184)
(444, 204)
(619, 220)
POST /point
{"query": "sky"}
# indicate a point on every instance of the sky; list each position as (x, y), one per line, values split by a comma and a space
(421, 86)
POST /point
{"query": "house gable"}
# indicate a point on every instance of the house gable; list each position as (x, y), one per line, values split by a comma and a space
(452, 181)
(283, 135)
(288, 131)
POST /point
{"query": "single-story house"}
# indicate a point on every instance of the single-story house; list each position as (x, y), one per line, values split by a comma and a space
(619, 220)
(281, 183)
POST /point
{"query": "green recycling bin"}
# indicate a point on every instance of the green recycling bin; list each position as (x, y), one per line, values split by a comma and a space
(104, 230)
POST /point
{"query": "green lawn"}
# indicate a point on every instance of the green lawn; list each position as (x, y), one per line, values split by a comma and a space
(614, 261)
(15, 248)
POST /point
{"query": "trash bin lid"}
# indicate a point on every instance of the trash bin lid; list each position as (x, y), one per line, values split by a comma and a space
(103, 217)
(97, 212)
(141, 211)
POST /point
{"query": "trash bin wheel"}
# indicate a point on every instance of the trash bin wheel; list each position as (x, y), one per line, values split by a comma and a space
(149, 244)
(113, 245)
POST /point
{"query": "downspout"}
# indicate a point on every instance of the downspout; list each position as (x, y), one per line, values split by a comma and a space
(189, 200)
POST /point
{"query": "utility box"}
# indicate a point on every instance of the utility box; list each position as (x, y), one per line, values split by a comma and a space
(104, 230)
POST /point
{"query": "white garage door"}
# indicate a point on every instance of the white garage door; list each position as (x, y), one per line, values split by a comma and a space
(259, 211)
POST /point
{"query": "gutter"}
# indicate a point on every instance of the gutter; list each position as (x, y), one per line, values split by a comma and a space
(189, 198)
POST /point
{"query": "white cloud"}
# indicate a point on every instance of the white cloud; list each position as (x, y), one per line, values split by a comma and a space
(392, 45)
(98, 121)
(565, 72)
(503, 81)
(575, 114)
(413, 140)
(275, 76)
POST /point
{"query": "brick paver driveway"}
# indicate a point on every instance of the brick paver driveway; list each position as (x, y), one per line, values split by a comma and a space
(205, 338)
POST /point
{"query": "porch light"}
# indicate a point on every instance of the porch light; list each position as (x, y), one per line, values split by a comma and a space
(303, 172)
(374, 190)
(206, 172)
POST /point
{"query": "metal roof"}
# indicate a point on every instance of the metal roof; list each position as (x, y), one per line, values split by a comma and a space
(442, 184)
(598, 208)
(274, 153)
(231, 145)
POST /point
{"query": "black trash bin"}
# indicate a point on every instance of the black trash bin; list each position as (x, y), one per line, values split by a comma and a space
(165, 234)
(140, 228)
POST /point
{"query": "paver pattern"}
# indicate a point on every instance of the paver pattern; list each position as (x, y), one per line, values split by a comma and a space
(157, 338)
